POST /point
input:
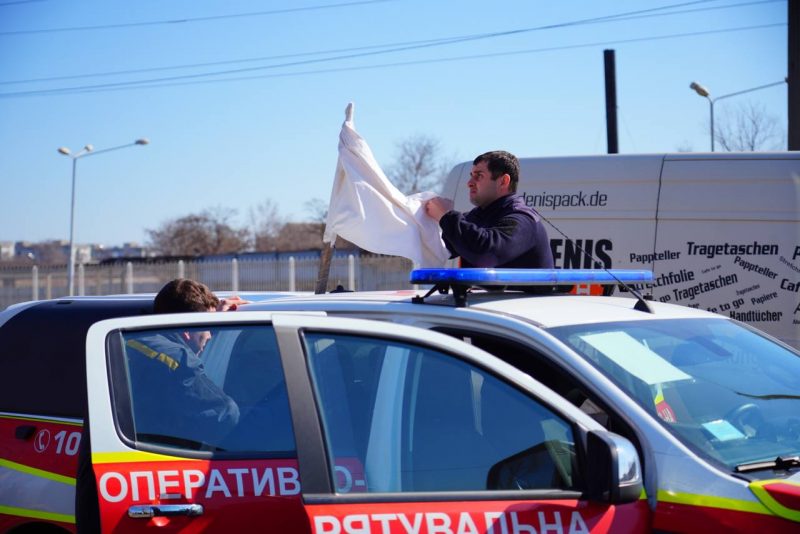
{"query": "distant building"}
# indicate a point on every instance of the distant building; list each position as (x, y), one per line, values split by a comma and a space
(7, 250)
(127, 250)
(43, 252)
(57, 251)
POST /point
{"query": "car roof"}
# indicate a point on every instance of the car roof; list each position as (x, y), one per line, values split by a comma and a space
(544, 310)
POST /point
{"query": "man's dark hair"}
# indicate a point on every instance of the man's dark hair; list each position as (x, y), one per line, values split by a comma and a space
(183, 295)
(500, 162)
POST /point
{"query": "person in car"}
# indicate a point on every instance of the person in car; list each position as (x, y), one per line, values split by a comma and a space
(176, 395)
(203, 400)
(501, 231)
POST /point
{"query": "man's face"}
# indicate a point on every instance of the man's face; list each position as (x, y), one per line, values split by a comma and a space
(482, 189)
(197, 340)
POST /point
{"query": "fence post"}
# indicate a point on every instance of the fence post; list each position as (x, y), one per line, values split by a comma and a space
(292, 274)
(34, 283)
(129, 277)
(49, 288)
(351, 271)
(181, 269)
(234, 275)
(81, 279)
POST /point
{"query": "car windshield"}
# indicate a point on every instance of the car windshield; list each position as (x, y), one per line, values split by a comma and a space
(724, 390)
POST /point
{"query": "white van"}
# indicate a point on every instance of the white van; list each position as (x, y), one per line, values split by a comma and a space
(720, 231)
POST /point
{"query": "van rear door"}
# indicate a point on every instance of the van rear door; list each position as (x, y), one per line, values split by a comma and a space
(729, 238)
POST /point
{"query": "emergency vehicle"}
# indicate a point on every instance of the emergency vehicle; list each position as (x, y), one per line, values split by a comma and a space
(711, 404)
(468, 406)
(343, 426)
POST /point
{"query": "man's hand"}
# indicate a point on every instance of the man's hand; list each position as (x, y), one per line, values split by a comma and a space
(230, 413)
(438, 206)
(231, 303)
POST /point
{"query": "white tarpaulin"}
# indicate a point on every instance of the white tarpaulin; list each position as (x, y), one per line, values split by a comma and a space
(367, 210)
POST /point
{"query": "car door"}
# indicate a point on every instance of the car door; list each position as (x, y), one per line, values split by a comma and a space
(423, 433)
(187, 439)
(387, 429)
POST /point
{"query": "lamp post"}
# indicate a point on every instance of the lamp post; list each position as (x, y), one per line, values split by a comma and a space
(88, 150)
(705, 93)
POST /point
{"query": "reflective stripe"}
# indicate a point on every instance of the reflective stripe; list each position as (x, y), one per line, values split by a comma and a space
(136, 456)
(41, 473)
(59, 420)
(37, 514)
(153, 354)
(770, 501)
(659, 398)
(712, 501)
(28, 495)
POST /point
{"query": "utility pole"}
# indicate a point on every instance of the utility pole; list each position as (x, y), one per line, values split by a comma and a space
(611, 101)
(793, 78)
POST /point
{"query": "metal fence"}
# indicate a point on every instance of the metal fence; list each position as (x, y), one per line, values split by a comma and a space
(363, 272)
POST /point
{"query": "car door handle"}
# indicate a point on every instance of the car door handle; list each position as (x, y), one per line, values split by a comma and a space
(24, 432)
(147, 511)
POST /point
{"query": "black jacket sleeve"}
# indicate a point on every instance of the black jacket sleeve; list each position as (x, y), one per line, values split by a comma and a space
(506, 239)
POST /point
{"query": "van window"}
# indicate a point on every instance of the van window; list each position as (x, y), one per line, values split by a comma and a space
(210, 389)
(418, 420)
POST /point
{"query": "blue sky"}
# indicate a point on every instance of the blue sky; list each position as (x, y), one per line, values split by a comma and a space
(273, 133)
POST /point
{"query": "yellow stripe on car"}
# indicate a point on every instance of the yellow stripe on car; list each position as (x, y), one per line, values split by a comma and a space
(37, 472)
(135, 456)
(770, 502)
(36, 514)
(40, 419)
(712, 501)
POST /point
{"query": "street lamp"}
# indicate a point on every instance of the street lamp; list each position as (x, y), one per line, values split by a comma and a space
(705, 93)
(88, 150)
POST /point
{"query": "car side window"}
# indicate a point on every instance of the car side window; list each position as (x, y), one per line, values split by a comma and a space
(219, 390)
(414, 419)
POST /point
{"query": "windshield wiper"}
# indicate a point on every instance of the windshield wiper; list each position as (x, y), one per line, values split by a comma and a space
(781, 462)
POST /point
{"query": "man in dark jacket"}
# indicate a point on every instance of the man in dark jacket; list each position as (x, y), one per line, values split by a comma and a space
(501, 231)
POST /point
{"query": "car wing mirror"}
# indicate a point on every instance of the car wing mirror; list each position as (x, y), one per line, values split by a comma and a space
(614, 471)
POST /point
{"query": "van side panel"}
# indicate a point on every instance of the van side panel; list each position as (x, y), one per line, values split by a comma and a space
(732, 230)
(688, 217)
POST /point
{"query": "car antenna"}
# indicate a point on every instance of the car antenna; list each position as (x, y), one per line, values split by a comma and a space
(641, 302)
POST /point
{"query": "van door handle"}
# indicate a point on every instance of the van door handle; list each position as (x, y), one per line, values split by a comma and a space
(147, 511)
(24, 432)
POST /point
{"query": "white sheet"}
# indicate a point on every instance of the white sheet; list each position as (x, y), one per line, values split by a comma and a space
(367, 210)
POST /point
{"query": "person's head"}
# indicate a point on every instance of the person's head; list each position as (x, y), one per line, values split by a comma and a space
(183, 295)
(494, 174)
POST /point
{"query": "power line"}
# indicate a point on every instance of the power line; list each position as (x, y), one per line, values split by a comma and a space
(4, 4)
(143, 85)
(391, 47)
(193, 19)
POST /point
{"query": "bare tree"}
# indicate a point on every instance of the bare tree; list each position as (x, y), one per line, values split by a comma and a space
(419, 165)
(317, 210)
(208, 232)
(300, 236)
(266, 224)
(747, 128)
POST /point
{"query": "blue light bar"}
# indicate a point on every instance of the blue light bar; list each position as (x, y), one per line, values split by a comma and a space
(530, 277)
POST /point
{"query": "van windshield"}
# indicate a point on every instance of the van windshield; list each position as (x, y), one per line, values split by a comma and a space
(725, 391)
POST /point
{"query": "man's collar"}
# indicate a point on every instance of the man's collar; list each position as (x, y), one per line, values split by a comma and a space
(499, 201)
